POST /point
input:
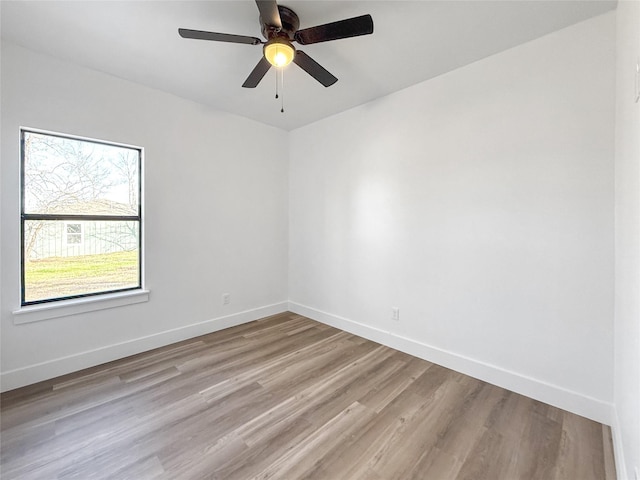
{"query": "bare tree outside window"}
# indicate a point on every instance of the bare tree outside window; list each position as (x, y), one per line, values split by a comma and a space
(81, 217)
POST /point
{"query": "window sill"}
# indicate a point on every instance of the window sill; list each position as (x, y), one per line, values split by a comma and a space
(64, 308)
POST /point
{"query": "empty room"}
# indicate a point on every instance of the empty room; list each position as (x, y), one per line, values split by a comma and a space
(320, 239)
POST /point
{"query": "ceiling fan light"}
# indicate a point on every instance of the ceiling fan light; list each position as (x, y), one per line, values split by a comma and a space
(279, 52)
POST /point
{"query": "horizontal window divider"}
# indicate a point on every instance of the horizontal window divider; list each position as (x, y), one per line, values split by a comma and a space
(105, 218)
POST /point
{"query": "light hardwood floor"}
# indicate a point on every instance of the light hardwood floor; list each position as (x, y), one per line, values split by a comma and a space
(289, 398)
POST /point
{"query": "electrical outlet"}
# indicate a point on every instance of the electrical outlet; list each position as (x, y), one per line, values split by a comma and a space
(226, 299)
(395, 314)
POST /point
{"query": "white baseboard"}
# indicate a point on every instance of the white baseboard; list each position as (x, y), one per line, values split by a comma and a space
(555, 395)
(61, 366)
(618, 451)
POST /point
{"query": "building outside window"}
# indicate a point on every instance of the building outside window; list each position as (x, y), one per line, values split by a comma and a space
(81, 217)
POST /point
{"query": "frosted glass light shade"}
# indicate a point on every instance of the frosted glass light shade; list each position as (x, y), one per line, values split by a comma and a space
(279, 52)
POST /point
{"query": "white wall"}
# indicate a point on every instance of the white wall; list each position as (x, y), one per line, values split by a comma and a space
(627, 278)
(481, 204)
(215, 214)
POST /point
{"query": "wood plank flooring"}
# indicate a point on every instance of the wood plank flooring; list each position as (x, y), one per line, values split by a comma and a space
(289, 398)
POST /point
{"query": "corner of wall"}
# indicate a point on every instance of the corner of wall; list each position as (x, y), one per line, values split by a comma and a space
(618, 450)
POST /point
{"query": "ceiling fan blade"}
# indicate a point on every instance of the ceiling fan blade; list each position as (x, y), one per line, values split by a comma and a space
(314, 69)
(269, 13)
(351, 27)
(256, 75)
(218, 37)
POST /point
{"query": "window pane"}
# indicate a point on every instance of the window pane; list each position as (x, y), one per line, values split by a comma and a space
(107, 259)
(74, 238)
(68, 176)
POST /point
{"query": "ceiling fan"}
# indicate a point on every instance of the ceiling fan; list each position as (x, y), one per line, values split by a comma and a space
(280, 28)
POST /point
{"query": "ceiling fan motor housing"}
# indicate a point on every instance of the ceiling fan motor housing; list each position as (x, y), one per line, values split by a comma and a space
(290, 24)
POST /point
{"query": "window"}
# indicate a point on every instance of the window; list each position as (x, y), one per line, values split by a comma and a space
(73, 233)
(81, 217)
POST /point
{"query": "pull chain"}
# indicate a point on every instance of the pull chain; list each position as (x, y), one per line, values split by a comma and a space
(280, 87)
(282, 90)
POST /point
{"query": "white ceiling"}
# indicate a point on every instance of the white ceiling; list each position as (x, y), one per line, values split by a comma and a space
(412, 42)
